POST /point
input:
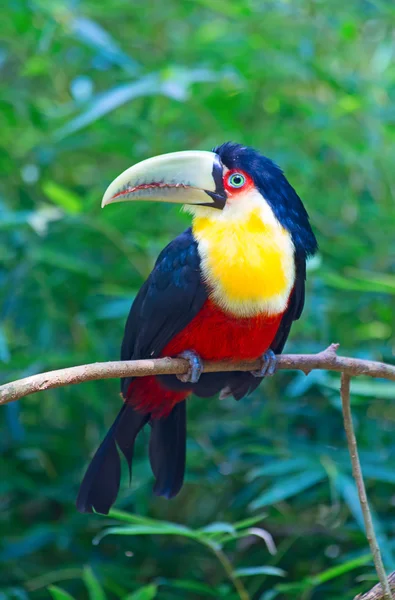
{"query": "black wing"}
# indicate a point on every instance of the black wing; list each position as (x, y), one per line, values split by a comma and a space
(295, 305)
(172, 295)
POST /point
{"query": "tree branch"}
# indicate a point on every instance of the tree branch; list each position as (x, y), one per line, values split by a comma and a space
(377, 593)
(363, 499)
(166, 366)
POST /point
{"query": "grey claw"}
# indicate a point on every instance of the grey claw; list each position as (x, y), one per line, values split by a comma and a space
(269, 365)
(195, 367)
(225, 393)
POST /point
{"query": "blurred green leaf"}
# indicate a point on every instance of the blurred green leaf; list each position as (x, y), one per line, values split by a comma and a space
(358, 281)
(158, 528)
(282, 467)
(60, 260)
(267, 570)
(58, 594)
(348, 490)
(66, 199)
(288, 487)
(35, 539)
(366, 387)
(4, 350)
(173, 84)
(93, 34)
(148, 592)
(93, 586)
(218, 528)
(108, 101)
(342, 568)
(201, 589)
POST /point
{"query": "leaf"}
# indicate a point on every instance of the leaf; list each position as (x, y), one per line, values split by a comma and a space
(10, 220)
(379, 473)
(36, 539)
(218, 528)
(348, 490)
(378, 282)
(361, 282)
(62, 197)
(114, 309)
(63, 260)
(4, 350)
(121, 515)
(157, 529)
(175, 84)
(266, 570)
(58, 594)
(341, 569)
(283, 466)
(93, 34)
(108, 101)
(148, 592)
(245, 523)
(93, 586)
(366, 387)
(198, 587)
(346, 487)
(14, 592)
(287, 488)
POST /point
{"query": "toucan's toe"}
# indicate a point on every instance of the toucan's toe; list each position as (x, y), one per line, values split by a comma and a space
(195, 367)
(269, 365)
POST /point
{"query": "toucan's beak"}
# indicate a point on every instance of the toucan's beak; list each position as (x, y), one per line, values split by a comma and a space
(192, 177)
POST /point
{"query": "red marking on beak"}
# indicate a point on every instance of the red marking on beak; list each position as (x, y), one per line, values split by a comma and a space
(147, 186)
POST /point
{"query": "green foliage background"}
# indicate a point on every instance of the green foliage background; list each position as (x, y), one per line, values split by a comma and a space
(86, 89)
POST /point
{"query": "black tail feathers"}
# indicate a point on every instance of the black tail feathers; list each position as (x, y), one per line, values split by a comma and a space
(167, 451)
(100, 486)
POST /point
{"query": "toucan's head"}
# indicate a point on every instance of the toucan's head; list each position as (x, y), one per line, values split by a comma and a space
(228, 182)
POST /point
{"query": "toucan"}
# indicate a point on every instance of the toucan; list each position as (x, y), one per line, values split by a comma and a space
(227, 288)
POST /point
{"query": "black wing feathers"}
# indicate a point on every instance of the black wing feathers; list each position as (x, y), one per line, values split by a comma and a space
(295, 305)
(172, 295)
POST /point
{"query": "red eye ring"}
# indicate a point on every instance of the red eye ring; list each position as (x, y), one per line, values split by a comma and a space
(237, 180)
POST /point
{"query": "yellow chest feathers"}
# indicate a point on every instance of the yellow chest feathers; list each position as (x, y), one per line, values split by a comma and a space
(247, 261)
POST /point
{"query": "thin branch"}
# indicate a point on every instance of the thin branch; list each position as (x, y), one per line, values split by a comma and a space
(357, 473)
(377, 593)
(228, 568)
(166, 366)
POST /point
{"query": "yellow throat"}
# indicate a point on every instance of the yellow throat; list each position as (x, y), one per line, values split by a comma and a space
(247, 259)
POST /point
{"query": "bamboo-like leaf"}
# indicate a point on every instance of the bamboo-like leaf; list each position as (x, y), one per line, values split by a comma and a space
(95, 590)
(288, 487)
(264, 570)
(58, 594)
(341, 569)
(158, 529)
(93, 34)
(148, 592)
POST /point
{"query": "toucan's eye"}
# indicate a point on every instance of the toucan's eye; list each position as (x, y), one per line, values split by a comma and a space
(236, 180)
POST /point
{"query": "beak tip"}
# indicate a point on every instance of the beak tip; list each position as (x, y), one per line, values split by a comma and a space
(107, 198)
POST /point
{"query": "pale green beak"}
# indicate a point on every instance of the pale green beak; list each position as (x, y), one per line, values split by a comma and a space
(191, 177)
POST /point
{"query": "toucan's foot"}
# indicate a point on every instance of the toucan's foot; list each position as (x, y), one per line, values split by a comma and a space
(269, 365)
(195, 367)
